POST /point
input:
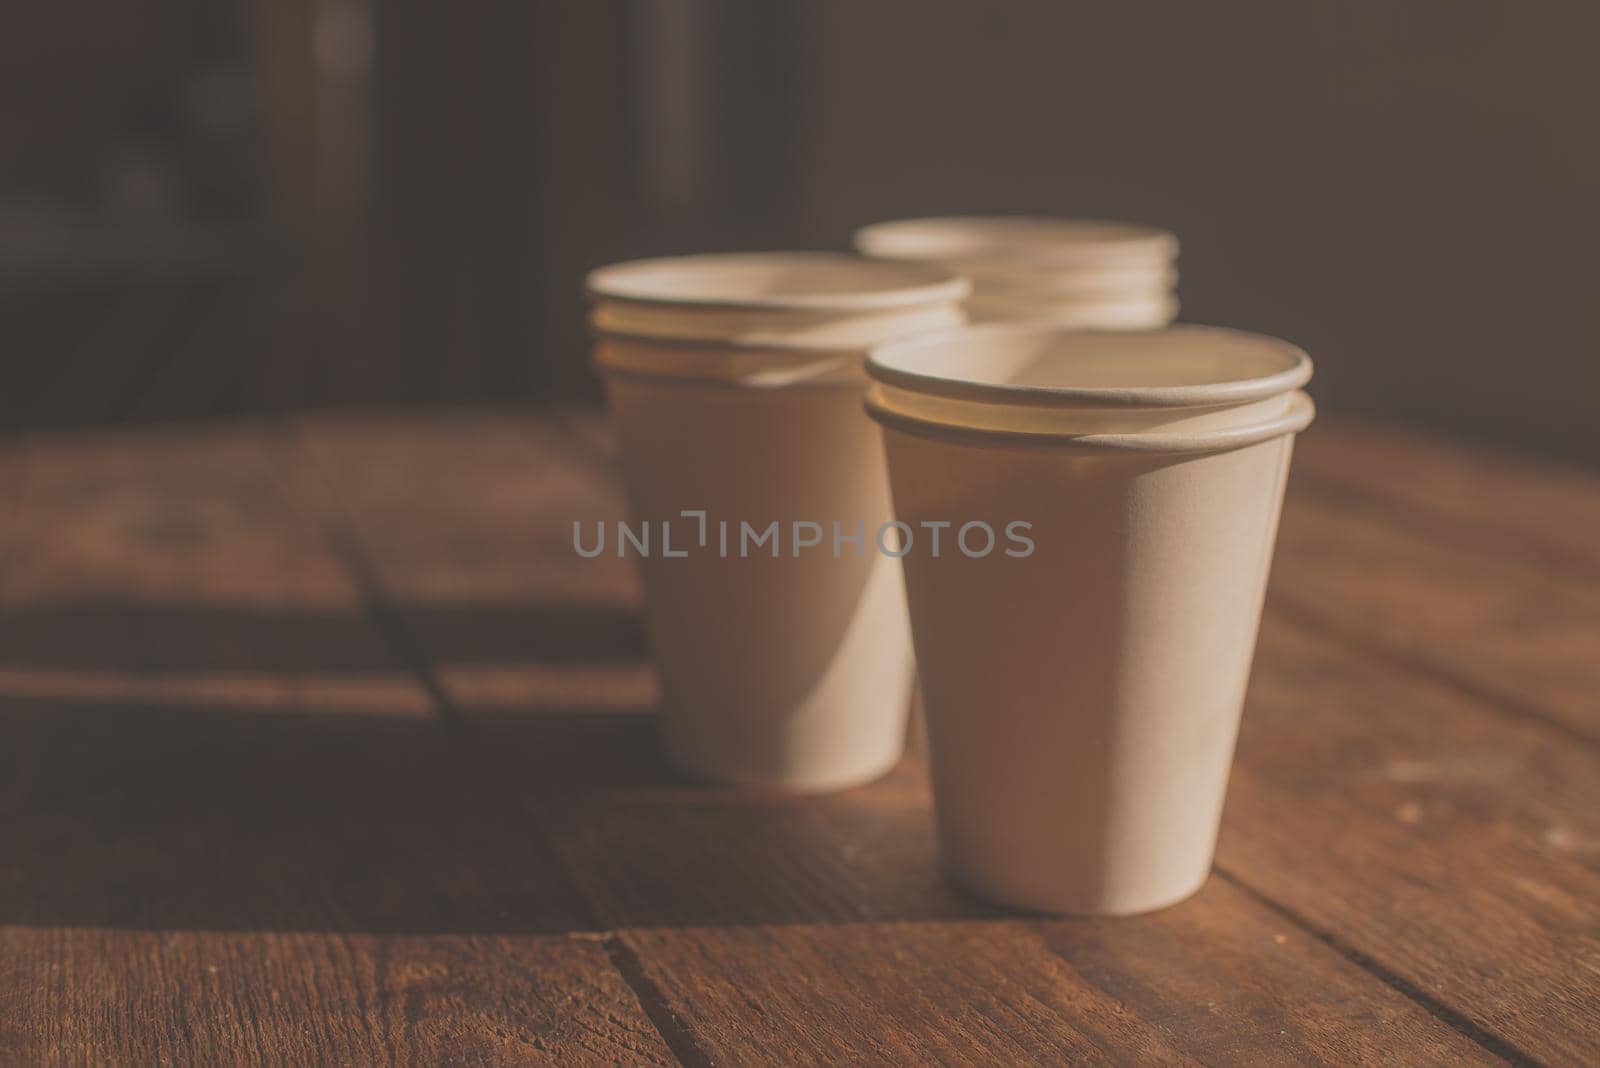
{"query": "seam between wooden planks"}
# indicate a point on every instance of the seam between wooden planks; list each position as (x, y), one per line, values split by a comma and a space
(575, 444)
(281, 443)
(1460, 1023)
(675, 1033)
(348, 547)
(668, 1024)
(394, 632)
(386, 620)
(1298, 614)
(397, 637)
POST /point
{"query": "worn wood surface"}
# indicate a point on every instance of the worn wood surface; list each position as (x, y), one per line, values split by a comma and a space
(315, 745)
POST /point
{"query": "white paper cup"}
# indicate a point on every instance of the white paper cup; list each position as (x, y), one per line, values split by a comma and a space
(1082, 701)
(1093, 283)
(1146, 312)
(1019, 242)
(736, 384)
(1085, 273)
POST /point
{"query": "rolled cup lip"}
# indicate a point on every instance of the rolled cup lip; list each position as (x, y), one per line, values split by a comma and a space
(703, 281)
(1021, 239)
(887, 363)
(1295, 418)
(1072, 283)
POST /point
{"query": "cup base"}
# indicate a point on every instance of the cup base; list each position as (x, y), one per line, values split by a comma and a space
(1126, 905)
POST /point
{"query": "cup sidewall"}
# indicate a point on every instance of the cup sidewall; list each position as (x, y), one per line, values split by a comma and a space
(1082, 704)
(791, 673)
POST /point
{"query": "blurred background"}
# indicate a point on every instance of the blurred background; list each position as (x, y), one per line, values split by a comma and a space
(211, 208)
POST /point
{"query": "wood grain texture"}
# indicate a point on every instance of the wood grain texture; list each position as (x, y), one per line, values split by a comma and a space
(318, 745)
(1213, 981)
(778, 930)
(1366, 796)
(1533, 510)
(1504, 628)
(467, 522)
(234, 829)
(1448, 851)
(179, 997)
(1456, 850)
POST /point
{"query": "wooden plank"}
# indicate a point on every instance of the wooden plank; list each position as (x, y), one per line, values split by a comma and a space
(170, 521)
(768, 924)
(1421, 830)
(1212, 982)
(504, 493)
(1533, 510)
(232, 826)
(481, 567)
(827, 899)
(149, 816)
(1425, 838)
(1504, 628)
(1447, 789)
(240, 997)
(708, 885)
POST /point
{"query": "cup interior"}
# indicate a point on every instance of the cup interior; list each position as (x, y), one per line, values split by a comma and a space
(800, 281)
(1036, 364)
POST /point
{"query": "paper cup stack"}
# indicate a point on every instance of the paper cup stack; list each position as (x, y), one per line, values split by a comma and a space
(1082, 698)
(1072, 272)
(1083, 681)
(736, 383)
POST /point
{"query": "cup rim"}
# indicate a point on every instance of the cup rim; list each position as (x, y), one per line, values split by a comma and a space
(701, 282)
(888, 363)
(1038, 239)
(1029, 306)
(1299, 414)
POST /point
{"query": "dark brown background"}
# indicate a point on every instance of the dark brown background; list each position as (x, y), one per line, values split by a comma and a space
(209, 209)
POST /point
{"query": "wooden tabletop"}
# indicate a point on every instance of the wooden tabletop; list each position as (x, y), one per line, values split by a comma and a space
(318, 745)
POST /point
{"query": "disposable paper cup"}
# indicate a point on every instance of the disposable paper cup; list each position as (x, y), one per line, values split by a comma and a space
(1076, 272)
(1082, 699)
(1092, 283)
(1093, 313)
(736, 384)
(1019, 242)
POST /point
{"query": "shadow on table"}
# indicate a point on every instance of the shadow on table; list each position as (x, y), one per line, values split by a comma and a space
(154, 813)
(100, 636)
